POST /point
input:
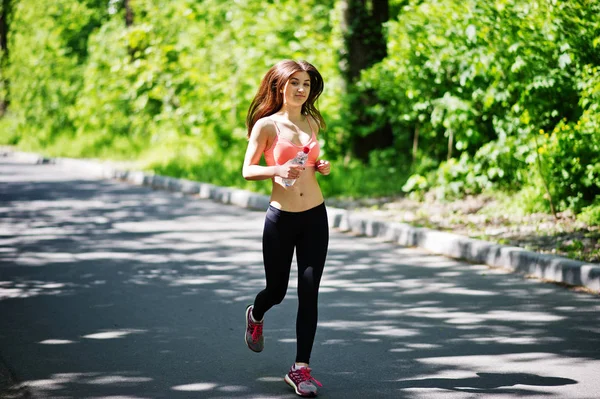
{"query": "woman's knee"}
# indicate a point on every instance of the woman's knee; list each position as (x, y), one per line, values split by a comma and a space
(276, 295)
(309, 279)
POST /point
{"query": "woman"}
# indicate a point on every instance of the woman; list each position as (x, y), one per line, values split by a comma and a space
(282, 121)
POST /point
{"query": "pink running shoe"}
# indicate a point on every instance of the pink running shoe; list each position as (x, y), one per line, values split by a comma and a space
(302, 382)
(254, 336)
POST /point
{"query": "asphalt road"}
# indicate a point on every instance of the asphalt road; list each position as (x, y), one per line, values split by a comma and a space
(115, 291)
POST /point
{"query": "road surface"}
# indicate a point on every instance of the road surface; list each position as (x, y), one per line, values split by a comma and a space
(109, 290)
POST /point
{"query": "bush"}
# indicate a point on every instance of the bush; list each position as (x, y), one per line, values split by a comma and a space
(573, 149)
(478, 80)
(590, 214)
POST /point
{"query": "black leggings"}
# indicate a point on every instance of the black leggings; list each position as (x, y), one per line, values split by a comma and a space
(308, 232)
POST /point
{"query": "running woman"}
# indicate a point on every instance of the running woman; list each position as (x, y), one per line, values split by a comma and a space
(283, 120)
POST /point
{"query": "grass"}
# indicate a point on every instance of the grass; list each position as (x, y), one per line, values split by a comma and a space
(486, 217)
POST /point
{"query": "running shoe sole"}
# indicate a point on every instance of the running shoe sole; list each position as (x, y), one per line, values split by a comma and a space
(289, 381)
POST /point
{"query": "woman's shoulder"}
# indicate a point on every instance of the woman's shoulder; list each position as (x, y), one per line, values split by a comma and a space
(264, 129)
(265, 125)
(266, 122)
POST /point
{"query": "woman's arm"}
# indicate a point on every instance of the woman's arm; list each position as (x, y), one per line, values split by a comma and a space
(256, 146)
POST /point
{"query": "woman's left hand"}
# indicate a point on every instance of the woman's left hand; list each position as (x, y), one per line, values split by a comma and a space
(323, 167)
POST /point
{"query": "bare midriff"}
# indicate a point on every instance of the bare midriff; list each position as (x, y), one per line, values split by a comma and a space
(303, 195)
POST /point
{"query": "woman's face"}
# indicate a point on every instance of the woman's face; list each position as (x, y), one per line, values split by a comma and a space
(296, 89)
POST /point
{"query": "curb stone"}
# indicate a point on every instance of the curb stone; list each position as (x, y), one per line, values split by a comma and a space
(549, 267)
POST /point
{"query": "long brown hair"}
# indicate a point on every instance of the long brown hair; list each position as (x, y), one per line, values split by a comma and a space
(269, 98)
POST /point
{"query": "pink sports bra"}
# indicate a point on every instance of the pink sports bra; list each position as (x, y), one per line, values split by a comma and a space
(282, 150)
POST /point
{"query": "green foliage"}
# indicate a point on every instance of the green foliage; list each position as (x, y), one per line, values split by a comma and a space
(355, 180)
(45, 66)
(591, 214)
(185, 72)
(479, 79)
(416, 185)
(9, 130)
(573, 156)
(481, 95)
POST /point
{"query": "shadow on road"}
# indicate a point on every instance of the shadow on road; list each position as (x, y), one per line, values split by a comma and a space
(487, 382)
(108, 291)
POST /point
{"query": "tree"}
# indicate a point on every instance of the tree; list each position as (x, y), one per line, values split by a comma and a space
(4, 29)
(128, 13)
(365, 45)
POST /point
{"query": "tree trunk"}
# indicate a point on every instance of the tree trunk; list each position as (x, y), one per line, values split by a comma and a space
(128, 24)
(4, 26)
(128, 13)
(4, 29)
(415, 143)
(450, 143)
(365, 45)
(363, 34)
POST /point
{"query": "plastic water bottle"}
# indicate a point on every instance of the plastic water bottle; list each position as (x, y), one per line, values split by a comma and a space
(299, 159)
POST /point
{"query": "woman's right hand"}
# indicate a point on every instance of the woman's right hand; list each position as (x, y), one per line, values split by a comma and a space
(290, 170)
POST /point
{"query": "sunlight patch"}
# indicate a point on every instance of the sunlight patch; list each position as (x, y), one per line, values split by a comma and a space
(193, 281)
(531, 362)
(32, 288)
(118, 397)
(449, 274)
(392, 332)
(360, 289)
(269, 379)
(467, 291)
(323, 290)
(117, 379)
(44, 384)
(232, 388)
(200, 280)
(154, 226)
(106, 255)
(200, 386)
(335, 342)
(52, 285)
(423, 346)
(112, 334)
(56, 342)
